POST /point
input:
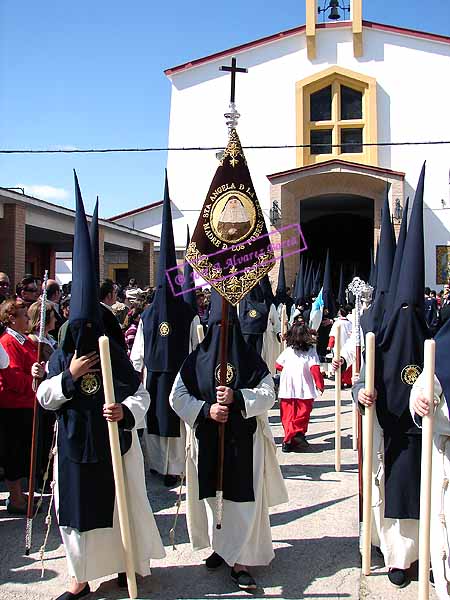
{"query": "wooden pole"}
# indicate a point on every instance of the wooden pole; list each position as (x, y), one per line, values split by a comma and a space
(284, 326)
(223, 381)
(337, 403)
(425, 474)
(121, 496)
(35, 427)
(368, 455)
(354, 410)
(200, 333)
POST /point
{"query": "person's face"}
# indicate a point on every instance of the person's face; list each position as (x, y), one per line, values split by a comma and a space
(4, 286)
(200, 301)
(30, 293)
(232, 202)
(20, 321)
(65, 311)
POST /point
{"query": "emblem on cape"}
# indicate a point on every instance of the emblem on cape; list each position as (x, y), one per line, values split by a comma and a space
(90, 384)
(410, 373)
(164, 329)
(231, 373)
(252, 313)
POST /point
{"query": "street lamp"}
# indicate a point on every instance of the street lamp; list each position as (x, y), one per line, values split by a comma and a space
(275, 214)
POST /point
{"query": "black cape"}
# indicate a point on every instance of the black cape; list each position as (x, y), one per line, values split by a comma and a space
(200, 374)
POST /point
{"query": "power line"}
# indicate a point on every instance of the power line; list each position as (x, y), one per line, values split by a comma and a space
(347, 145)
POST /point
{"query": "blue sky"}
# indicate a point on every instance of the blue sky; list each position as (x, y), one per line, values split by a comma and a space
(90, 74)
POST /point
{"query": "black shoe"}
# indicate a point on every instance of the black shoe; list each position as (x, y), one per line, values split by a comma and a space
(286, 447)
(15, 510)
(122, 580)
(432, 582)
(301, 443)
(213, 562)
(69, 596)
(398, 578)
(171, 480)
(244, 580)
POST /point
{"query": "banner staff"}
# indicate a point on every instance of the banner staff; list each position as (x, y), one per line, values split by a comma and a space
(35, 431)
(368, 454)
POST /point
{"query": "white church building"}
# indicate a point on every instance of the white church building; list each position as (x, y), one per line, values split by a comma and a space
(339, 107)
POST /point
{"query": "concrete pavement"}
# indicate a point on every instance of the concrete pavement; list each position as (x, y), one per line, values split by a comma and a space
(315, 536)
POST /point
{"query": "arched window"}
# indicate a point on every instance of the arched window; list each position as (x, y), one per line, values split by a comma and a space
(336, 116)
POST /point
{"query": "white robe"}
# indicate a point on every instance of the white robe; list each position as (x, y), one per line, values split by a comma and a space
(98, 553)
(397, 538)
(271, 346)
(166, 455)
(440, 493)
(245, 537)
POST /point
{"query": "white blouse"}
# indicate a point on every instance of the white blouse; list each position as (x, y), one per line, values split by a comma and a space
(296, 380)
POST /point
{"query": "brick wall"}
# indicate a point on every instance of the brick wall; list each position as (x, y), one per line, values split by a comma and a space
(12, 242)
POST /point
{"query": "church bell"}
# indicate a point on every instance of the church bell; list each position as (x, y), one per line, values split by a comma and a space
(334, 12)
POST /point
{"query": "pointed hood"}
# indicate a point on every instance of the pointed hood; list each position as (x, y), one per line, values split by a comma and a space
(93, 234)
(341, 294)
(327, 294)
(281, 292)
(397, 266)
(372, 320)
(166, 322)
(188, 281)
(317, 280)
(85, 318)
(411, 281)
(372, 269)
(266, 287)
(299, 290)
(309, 281)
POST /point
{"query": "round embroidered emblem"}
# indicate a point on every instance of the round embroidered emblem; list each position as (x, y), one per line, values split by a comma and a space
(164, 329)
(231, 373)
(410, 373)
(90, 384)
(252, 313)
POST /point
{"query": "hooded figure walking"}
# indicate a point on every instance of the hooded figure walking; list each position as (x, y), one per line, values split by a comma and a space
(252, 477)
(85, 500)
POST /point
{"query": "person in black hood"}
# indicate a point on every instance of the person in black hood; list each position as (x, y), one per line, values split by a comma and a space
(252, 477)
(84, 483)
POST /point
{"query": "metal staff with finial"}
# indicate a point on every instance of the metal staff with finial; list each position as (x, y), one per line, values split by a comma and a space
(231, 120)
(35, 434)
(358, 287)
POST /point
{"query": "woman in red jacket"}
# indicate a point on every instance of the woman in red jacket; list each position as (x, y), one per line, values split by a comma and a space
(16, 399)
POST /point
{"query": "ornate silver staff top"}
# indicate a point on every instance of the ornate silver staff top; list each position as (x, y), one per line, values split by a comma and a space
(362, 291)
(43, 307)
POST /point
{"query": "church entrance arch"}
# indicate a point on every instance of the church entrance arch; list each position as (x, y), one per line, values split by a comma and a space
(338, 205)
(342, 224)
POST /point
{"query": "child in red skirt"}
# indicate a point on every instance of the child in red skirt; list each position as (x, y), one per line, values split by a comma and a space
(300, 383)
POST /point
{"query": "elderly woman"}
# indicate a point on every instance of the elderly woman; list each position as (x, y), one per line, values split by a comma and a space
(16, 399)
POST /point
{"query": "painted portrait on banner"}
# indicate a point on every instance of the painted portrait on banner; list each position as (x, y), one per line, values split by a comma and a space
(442, 264)
(233, 217)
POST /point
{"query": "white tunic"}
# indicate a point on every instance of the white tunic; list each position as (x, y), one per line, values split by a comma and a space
(98, 553)
(166, 455)
(245, 537)
(296, 380)
(271, 346)
(346, 330)
(440, 492)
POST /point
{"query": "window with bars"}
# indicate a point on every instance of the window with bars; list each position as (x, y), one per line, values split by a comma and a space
(336, 120)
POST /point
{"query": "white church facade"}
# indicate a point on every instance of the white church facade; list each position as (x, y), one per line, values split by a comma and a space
(336, 107)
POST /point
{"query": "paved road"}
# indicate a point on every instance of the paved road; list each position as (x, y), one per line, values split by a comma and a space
(315, 536)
